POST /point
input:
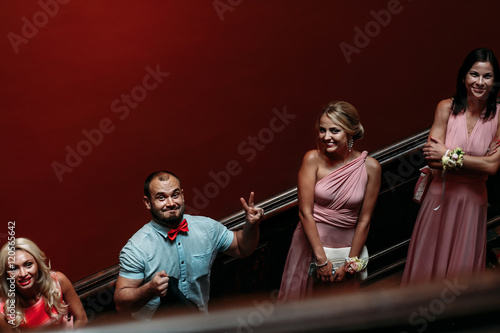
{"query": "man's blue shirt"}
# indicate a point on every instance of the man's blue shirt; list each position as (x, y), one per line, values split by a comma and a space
(189, 258)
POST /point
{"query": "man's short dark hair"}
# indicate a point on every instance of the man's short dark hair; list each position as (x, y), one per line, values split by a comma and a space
(162, 175)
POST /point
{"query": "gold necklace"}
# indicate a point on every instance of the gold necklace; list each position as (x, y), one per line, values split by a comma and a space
(475, 119)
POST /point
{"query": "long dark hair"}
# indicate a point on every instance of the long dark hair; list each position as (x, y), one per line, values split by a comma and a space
(460, 97)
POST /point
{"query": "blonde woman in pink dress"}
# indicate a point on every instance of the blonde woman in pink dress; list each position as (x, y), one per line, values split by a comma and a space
(449, 238)
(337, 191)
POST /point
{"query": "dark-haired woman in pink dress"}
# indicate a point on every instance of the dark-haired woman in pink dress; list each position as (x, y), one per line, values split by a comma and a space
(449, 238)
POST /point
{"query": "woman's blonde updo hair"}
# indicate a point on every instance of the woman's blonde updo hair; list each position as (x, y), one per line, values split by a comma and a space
(346, 116)
(49, 288)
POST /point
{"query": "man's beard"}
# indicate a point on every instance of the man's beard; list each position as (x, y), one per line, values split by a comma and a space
(171, 221)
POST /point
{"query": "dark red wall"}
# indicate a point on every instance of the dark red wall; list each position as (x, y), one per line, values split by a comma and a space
(246, 80)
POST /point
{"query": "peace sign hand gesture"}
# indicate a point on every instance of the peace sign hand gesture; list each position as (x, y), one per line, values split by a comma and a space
(253, 214)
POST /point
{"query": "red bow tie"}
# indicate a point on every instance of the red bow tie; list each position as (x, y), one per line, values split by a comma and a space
(183, 226)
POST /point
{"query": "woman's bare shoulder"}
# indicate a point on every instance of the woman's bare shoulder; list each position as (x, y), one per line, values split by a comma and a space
(445, 105)
(372, 165)
(312, 156)
(63, 280)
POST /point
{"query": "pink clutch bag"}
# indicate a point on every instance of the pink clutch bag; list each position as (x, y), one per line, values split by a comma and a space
(423, 182)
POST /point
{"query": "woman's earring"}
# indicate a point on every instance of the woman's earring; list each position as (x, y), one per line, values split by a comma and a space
(350, 144)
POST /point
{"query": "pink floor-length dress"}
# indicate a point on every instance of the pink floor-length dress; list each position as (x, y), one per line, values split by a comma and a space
(337, 201)
(451, 241)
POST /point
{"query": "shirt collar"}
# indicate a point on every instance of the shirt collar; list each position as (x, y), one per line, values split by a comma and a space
(162, 230)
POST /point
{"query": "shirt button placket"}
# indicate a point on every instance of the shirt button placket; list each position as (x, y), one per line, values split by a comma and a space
(183, 269)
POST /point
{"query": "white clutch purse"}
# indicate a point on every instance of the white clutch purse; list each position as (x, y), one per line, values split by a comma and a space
(338, 257)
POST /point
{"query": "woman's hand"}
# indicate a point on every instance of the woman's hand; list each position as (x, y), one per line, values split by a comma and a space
(492, 149)
(324, 273)
(340, 274)
(434, 149)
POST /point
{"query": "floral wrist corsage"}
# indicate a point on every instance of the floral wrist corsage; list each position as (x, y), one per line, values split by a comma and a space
(453, 160)
(354, 264)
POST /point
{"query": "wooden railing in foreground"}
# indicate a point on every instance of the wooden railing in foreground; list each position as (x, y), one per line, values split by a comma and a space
(461, 305)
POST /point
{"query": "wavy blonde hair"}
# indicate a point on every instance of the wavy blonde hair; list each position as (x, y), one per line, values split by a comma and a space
(49, 289)
(346, 116)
